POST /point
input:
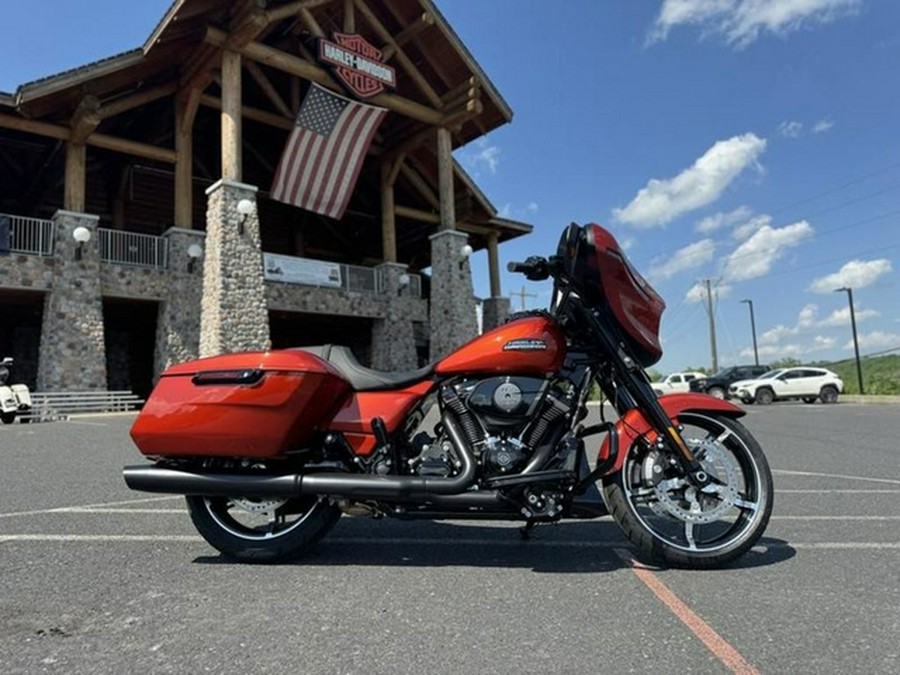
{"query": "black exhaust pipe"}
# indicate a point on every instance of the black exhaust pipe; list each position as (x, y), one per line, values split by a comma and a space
(352, 486)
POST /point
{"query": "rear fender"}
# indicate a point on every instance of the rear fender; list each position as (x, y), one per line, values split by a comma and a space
(633, 425)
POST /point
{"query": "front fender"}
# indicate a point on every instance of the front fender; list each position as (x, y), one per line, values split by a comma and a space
(634, 425)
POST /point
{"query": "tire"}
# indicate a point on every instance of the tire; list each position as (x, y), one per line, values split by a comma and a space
(262, 530)
(828, 394)
(716, 392)
(8, 417)
(810, 399)
(764, 396)
(667, 531)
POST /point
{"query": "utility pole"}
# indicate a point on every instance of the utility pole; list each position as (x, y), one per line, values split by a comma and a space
(855, 340)
(712, 326)
(753, 329)
(522, 295)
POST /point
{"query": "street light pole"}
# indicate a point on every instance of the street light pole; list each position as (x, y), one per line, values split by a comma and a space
(855, 340)
(753, 329)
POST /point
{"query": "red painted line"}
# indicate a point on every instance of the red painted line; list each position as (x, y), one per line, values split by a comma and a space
(728, 655)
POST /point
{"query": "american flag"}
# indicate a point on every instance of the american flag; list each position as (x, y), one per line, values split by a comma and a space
(325, 152)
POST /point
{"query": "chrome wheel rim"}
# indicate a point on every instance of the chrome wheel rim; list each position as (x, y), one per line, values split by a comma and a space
(258, 519)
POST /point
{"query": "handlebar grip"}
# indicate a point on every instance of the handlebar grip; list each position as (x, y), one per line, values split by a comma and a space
(517, 267)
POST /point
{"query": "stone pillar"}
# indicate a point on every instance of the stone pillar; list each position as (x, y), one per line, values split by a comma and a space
(72, 351)
(393, 344)
(495, 312)
(178, 322)
(233, 314)
(453, 320)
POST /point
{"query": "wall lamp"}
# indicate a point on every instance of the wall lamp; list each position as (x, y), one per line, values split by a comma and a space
(245, 208)
(464, 253)
(194, 251)
(81, 235)
(402, 282)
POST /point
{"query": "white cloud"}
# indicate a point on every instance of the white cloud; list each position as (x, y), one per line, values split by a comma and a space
(505, 210)
(702, 183)
(757, 255)
(719, 220)
(854, 274)
(790, 129)
(686, 258)
(532, 207)
(876, 340)
(822, 126)
(483, 156)
(740, 22)
(697, 292)
(822, 342)
(793, 349)
(777, 334)
(841, 317)
(807, 316)
(744, 230)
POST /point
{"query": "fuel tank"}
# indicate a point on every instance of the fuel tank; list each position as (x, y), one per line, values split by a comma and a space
(533, 344)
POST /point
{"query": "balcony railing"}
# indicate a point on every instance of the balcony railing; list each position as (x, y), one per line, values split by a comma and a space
(31, 235)
(131, 248)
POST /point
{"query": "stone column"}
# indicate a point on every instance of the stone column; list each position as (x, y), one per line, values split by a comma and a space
(453, 320)
(72, 351)
(178, 322)
(393, 345)
(233, 313)
(495, 312)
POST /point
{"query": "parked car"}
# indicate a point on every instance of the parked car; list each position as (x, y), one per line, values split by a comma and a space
(807, 384)
(676, 382)
(717, 385)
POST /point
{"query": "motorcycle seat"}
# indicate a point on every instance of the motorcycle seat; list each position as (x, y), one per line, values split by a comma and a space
(367, 379)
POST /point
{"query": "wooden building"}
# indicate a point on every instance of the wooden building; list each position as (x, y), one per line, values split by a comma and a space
(160, 161)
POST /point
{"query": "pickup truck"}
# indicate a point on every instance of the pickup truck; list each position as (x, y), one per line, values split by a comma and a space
(676, 382)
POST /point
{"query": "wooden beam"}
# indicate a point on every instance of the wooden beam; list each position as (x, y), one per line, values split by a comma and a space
(424, 21)
(231, 115)
(76, 177)
(135, 100)
(254, 114)
(445, 179)
(247, 30)
(472, 109)
(114, 143)
(468, 83)
(184, 165)
(349, 17)
(268, 88)
(388, 220)
(85, 119)
(309, 71)
(418, 214)
(420, 186)
(292, 9)
(310, 21)
(404, 60)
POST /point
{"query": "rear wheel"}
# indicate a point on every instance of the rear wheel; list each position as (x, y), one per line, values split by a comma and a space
(764, 396)
(828, 394)
(810, 399)
(671, 521)
(8, 417)
(262, 530)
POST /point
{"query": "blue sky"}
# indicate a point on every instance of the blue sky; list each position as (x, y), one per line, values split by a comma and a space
(752, 142)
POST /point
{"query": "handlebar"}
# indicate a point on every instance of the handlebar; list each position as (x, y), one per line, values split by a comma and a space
(534, 268)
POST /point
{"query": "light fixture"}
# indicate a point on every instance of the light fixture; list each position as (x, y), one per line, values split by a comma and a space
(464, 253)
(82, 235)
(245, 208)
(403, 282)
(194, 251)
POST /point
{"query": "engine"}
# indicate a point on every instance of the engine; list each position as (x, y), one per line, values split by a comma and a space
(505, 420)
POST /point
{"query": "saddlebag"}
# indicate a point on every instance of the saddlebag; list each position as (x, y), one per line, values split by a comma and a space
(252, 404)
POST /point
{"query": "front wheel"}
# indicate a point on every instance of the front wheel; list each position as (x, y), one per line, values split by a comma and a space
(8, 417)
(262, 530)
(671, 521)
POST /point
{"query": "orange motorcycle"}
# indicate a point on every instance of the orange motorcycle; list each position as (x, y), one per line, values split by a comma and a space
(270, 448)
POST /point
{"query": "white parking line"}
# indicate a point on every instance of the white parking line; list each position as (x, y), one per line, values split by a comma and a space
(837, 492)
(63, 509)
(892, 481)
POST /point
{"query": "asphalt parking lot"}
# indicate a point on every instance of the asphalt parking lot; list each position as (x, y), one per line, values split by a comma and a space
(96, 578)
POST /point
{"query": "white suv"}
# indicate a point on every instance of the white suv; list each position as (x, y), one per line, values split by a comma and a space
(807, 384)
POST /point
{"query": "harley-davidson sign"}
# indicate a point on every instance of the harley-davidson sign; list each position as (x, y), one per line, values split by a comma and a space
(357, 64)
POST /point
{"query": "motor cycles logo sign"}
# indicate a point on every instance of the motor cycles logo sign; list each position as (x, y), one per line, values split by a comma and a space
(357, 64)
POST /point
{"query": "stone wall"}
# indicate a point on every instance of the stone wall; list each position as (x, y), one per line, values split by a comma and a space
(453, 320)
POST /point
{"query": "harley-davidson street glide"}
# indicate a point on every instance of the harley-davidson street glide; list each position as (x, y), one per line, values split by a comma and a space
(270, 448)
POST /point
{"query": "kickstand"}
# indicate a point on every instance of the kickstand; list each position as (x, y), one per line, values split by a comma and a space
(525, 530)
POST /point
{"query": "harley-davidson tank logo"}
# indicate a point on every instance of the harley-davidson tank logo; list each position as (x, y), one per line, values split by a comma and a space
(525, 345)
(357, 64)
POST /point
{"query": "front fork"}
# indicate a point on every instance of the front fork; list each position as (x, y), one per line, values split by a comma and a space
(639, 394)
